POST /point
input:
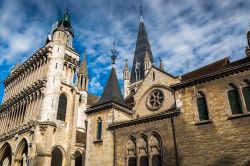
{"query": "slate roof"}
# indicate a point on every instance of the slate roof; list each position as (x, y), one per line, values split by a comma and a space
(213, 71)
(142, 45)
(206, 69)
(112, 91)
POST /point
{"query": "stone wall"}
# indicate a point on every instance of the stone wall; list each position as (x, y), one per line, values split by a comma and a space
(101, 152)
(224, 141)
(162, 127)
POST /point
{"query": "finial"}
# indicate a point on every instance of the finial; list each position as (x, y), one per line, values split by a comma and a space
(141, 11)
(114, 55)
(161, 65)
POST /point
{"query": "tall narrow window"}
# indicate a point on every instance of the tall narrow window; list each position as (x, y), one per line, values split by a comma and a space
(202, 107)
(246, 94)
(99, 129)
(62, 106)
(234, 100)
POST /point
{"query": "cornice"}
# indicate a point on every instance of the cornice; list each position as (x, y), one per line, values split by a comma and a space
(28, 127)
(110, 104)
(145, 119)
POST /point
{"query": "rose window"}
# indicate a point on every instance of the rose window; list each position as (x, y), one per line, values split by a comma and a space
(155, 99)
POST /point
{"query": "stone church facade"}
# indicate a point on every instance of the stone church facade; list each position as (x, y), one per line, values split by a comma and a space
(48, 117)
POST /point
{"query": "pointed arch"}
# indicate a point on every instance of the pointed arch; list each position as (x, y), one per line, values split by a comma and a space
(6, 154)
(202, 106)
(57, 156)
(155, 145)
(143, 150)
(234, 99)
(79, 160)
(22, 152)
(131, 151)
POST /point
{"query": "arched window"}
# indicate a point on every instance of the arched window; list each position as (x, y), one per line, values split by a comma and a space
(57, 157)
(155, 149)
(5, 155)
(246, 95)
(78, 159)
(99, 129)
(131, 151)
(62, 106)
(234, 100)
(202, 107)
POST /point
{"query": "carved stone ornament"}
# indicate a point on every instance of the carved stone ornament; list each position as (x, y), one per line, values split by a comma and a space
(44, 125)
(43, 129)
(155, 100)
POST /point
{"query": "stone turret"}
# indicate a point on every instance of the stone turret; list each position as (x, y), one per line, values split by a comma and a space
(82, 75)
(161, 65)
(126, 76)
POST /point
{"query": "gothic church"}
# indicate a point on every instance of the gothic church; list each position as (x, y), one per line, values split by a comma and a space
(48, 118)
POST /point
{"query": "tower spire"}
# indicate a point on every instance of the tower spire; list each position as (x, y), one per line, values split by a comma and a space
(142, 46)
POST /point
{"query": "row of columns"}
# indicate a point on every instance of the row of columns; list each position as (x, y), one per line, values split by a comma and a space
(69, 71)
(21, 112)
(35, 71)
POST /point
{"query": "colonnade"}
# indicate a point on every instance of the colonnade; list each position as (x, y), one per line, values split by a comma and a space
(25, 75)
(21, 111)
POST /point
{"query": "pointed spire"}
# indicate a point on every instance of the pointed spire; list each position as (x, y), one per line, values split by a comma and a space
(112, 91)
(64, 23)
(83, 67)
(142, 45)
(161, 65)
(126, 72)
(126, 65)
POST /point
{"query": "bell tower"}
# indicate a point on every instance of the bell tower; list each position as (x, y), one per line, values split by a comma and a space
(63, 32)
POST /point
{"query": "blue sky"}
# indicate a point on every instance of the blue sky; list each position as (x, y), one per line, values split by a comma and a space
(185, 34)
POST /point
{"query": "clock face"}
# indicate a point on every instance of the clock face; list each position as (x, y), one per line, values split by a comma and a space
(155, 99)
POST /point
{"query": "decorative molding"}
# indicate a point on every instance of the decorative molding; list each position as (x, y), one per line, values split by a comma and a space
(110, 104)
(18, 130)
(155, 117)
(71, 61)
(39, 85)
(44, 125)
